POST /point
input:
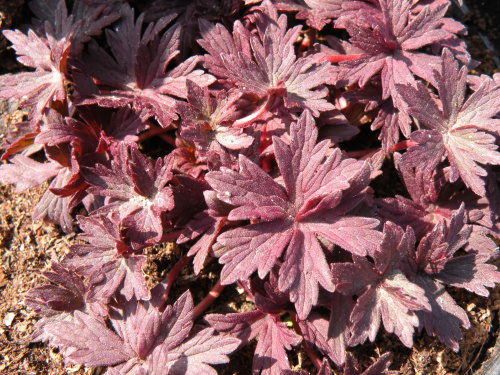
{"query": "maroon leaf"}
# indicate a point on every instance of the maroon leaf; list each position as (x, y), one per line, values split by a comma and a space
(202, 350)
(47, 54)
(56, 209)
(316, 13)
(390, 35)
(91, 342)
(446, 317)
(316, 332)
(289, 218)
(85, 21)
(208, 224)
(144, 339)
(209, 122)
(273, 337)
(137, 190)
(265, 64)
(433, 263)
(123, 274)
(26, 173)
(339, 329)
(384, 291)
(49, 299)
(142, 60)
(460, 131)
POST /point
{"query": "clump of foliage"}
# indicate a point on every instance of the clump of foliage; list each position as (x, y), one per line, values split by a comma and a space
(267, 137)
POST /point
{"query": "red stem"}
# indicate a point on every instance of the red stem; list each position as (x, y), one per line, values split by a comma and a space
(172, 275)
(167, 138)
(207, 301)
(247, 120)
(171, 236)
(304, 44)
(151, 133)
(339, 58)
(312, 36)
(362, 153)
(309, 351)
(403, 145)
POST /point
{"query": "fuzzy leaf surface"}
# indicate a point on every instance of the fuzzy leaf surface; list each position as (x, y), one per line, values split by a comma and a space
(144, 339)
(266, 64)
(391, 35)
(107, 260)
(289, 217)
(274, 337)
(26, 173)
(316, 13)
(136, 188)
(460, 131)
(137, 70)
(384, 291)
(434, 264)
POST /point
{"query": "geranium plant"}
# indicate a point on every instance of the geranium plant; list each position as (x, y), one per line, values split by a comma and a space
(272, 119)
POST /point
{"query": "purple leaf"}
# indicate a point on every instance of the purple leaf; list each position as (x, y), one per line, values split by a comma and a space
(210, 226)
(390, 120)
(273, 337)
(433, 263)
(460, 131)
(26, 172)
(202, 350)
(144, 339)
(53, 208)
(446, 316)
(209, 122)
(39, 88)
(49, 299)
(136, 189)
(316, 13)
(108, 260)
(85, 21)
(266, 64)
(245, 326)
(470, 272)
(315, 330)
(339, 330)
(390, 35)
(384, 291)
(289, 218)
(91, 342)
(123, 274)
(141, 60)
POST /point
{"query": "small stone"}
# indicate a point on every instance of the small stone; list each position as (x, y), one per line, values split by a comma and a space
(8, 319)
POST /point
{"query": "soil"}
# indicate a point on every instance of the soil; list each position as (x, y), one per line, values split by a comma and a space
(484, 37)
(27, 248)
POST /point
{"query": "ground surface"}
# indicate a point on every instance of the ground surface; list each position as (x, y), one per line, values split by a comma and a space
(28, 247)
